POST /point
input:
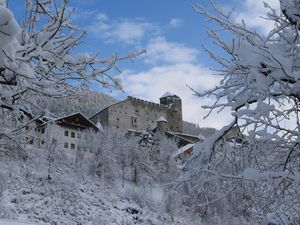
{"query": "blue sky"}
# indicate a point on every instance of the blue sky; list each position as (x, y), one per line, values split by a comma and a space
(172, 33)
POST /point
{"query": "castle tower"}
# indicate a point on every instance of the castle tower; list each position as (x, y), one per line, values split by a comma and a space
(174, 114)
(162, 125)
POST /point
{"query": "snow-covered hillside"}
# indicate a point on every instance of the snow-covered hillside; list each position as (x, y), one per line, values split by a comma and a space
(88, 103)
(74, 195)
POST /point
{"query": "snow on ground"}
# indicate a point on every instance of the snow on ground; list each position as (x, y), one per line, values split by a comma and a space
(71, 197)
(75, 196)
(7, 222)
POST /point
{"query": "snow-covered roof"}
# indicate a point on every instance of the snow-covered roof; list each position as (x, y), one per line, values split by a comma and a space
(201, 137)
(186, 134)
(162, 119)
(99, 126)
(167, 94)
(183, 149)
(70, 115)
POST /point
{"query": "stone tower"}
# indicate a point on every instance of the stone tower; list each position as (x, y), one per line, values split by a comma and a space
(162, 125)
(174, 114)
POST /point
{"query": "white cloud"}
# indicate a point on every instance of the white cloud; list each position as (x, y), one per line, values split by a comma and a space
(101, 17)
(174, 65)
(159, 50)
(130, 31)
(176, 22)
(253, 12)
(80, 14)
(152, 84)
(122, 31)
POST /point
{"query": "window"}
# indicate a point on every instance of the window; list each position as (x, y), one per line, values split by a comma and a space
(43, 130)
(72, 146)
(73, 134)
(78, 135)
(43, 142)
(134, 121)
(66, 133)
(66, 145)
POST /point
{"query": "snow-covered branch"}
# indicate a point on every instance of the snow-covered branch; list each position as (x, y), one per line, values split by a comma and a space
(261, 87)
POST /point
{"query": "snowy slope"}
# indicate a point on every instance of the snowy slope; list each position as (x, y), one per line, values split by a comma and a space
(72, 197)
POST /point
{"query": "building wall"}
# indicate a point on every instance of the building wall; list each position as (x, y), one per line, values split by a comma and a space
(101, 117)
(174, 112)
(233, 133)
(137, 114)
(68, 138)
(72, 138)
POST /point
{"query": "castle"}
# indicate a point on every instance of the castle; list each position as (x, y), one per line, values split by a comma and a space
(136, 114)
(131, 115)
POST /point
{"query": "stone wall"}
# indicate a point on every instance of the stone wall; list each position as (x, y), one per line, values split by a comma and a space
(137, 114)
(174, 113)
(101, 117)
